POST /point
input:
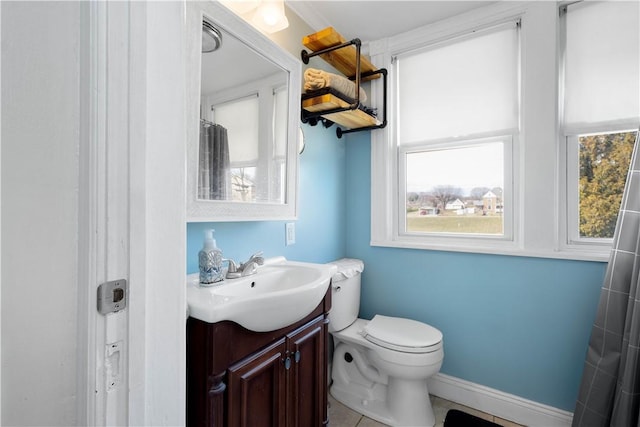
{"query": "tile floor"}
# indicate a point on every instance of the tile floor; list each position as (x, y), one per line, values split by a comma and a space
(341, 416)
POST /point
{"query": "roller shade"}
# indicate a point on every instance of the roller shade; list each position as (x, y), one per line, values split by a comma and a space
(602, 62)
(469, 86)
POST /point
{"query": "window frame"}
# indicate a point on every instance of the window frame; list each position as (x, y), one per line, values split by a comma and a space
(386, 196)
(539, 154)
(569, 239)
(467, 239)
(570, 189)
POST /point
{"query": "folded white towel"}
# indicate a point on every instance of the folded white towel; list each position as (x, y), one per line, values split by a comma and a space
(317, 79)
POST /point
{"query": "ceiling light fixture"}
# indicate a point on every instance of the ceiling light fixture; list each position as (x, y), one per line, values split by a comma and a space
(270, 17)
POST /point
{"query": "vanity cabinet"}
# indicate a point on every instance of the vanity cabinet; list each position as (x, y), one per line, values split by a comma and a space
(237, 377)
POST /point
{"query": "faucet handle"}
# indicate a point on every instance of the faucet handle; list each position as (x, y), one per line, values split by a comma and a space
(233, 267)
(257, 258)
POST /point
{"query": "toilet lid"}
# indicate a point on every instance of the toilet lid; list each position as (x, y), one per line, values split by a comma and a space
(402, 334)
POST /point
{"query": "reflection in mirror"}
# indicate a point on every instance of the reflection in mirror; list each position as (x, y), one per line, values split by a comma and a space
(242, 154)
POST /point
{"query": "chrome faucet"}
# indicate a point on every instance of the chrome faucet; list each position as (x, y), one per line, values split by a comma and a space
(246, 268)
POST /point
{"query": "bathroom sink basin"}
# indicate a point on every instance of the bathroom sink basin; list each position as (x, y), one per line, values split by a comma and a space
(279, 294)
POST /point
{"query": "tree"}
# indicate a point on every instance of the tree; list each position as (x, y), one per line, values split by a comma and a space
(443, 194)
(604, 163)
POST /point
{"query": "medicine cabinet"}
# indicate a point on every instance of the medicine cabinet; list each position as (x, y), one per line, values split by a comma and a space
(243, 94)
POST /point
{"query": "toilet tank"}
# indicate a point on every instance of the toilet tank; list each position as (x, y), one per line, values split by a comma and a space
(345, 293)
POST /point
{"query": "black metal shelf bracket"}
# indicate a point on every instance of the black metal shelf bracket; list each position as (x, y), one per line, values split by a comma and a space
(313, 117)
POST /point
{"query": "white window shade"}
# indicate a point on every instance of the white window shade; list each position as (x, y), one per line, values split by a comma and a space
(463, 88)
(240, 118)
(602, 62)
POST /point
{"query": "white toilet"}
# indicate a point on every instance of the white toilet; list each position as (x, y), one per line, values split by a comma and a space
(380, 367)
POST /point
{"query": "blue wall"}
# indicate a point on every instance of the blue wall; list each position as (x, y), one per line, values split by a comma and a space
(520, 325)
(516, 324)
(320, 228)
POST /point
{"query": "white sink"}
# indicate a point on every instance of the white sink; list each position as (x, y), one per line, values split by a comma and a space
(279, 294)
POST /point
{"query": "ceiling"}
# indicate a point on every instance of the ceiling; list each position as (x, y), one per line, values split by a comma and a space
(377, 19)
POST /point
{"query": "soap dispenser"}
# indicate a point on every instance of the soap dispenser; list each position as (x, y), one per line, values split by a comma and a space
(210, 261)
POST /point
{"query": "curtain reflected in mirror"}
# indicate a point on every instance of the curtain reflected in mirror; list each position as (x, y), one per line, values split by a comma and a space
(214, 181)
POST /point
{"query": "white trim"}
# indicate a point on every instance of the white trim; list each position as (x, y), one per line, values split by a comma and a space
(137, 215)
(90, 29)
(536, 153)
(158, 312)
(498, 403)
(0, 214)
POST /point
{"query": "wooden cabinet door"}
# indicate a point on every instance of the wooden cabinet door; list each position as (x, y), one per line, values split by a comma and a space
(307, 377)
(257, 389)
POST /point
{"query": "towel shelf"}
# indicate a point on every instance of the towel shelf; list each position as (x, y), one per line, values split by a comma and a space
(350, 118)
(345, 56)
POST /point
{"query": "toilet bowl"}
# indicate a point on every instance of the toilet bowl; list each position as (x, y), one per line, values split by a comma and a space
(380, 366)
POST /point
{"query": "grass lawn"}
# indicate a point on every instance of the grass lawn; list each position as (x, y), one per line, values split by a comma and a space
(455, 224)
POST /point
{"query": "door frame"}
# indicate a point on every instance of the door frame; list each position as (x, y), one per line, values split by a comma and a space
(132, 220)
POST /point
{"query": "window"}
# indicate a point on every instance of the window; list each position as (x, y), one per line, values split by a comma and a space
(601, 110)
(257, 160)
(550, 128)
(455, 189)
(457, 121)
(243, 153)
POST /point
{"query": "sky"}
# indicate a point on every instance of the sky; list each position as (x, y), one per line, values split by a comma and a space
(466, 167)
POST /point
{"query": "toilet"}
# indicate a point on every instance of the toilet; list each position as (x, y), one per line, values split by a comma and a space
(380, 366)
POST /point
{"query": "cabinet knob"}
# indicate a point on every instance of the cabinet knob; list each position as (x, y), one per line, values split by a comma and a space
(296, 356)
(287, 363)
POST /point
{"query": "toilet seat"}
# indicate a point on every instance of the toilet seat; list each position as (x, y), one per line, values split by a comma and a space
(404, 335)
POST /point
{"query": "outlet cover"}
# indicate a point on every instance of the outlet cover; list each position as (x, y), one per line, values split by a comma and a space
(290, 233)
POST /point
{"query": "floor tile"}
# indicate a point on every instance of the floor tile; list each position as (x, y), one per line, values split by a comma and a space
(341, 416)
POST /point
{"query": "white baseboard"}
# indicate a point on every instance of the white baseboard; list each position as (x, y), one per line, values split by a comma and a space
(498, 403)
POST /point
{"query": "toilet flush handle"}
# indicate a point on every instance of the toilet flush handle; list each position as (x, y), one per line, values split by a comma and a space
(337, 288)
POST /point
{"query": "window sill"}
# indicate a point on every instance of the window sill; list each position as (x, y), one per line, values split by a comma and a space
(566, 254)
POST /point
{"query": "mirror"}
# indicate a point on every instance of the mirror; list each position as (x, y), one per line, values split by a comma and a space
(243, 96)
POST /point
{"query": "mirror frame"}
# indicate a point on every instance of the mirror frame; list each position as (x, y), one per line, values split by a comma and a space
(223, 210)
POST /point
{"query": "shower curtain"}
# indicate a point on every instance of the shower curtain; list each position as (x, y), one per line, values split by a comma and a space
(609, 393)
(214, 182)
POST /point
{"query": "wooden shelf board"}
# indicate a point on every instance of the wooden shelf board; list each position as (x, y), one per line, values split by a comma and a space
(351, 119)
(344, 60)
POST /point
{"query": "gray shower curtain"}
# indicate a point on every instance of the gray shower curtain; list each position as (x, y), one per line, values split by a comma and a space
(609, 393)
(214, 180)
